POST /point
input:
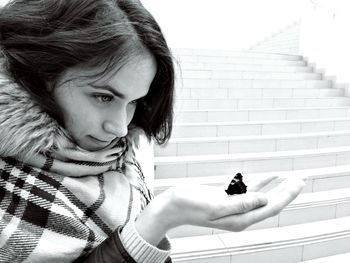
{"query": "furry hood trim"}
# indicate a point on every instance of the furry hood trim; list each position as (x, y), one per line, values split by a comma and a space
(25, 129)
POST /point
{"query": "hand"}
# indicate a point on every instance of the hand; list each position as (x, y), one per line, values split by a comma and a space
(211, 207)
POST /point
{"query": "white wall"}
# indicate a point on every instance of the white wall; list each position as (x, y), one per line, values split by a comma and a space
(325, 39)
(222, 24)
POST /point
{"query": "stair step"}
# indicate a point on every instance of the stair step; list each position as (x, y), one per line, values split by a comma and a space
(212, 129)
(239, 67)
(246, 93)
(260, 103)
(255, 114)
(236, 56)
(213, 74)
(340, 258)
(253, 143)
(289, 244)
(319, 179)
(207, 165)
(231, 53)
(307, 207)
(252, 83)
(249, 61)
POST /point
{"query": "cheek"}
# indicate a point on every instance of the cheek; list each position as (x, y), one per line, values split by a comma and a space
(130, 113)
(76, 122)
(80, 119)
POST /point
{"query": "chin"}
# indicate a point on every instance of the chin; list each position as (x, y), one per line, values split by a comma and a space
(88, 147)
(92, 148)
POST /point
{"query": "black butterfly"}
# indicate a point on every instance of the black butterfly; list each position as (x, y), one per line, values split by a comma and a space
(236, 186)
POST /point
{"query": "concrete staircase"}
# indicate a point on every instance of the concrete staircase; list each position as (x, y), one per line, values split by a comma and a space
(285, 41)
(259, 113)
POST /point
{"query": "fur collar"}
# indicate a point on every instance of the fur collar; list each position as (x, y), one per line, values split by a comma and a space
(25, 129)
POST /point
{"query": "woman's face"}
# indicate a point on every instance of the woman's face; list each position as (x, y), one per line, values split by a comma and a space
(96, 111)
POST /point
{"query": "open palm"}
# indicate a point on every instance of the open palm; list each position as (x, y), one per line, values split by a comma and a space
(210, 206)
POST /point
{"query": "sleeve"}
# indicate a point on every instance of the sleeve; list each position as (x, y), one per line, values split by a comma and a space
(113, 250)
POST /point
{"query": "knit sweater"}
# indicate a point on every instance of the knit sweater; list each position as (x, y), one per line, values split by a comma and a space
(57, 208)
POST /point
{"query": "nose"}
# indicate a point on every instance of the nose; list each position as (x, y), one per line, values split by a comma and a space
(117, 125)
(116, 129)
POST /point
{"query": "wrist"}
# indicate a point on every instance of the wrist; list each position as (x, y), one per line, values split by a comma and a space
(158, 218)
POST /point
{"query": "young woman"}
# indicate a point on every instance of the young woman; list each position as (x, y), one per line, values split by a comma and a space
(82, 83)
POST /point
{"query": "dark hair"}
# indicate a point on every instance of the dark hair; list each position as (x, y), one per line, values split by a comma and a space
(40, 39)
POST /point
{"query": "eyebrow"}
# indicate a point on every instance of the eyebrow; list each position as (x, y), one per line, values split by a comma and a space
(110, 89)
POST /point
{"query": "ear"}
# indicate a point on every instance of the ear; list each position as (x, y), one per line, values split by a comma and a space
(49, 86)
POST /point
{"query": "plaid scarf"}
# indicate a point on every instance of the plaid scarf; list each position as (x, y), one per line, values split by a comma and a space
(58, 218)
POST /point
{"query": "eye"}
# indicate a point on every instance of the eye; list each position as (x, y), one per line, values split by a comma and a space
(103, 98)
(134, 102)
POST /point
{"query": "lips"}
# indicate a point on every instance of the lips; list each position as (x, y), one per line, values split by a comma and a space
(100, 141)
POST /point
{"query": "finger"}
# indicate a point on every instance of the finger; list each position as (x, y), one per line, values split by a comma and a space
(287, 192)
(285, 184)
(103, 156)
(258, 184)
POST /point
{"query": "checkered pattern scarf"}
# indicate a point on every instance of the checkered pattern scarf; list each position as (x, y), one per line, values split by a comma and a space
(58, 201)
(43, 217)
